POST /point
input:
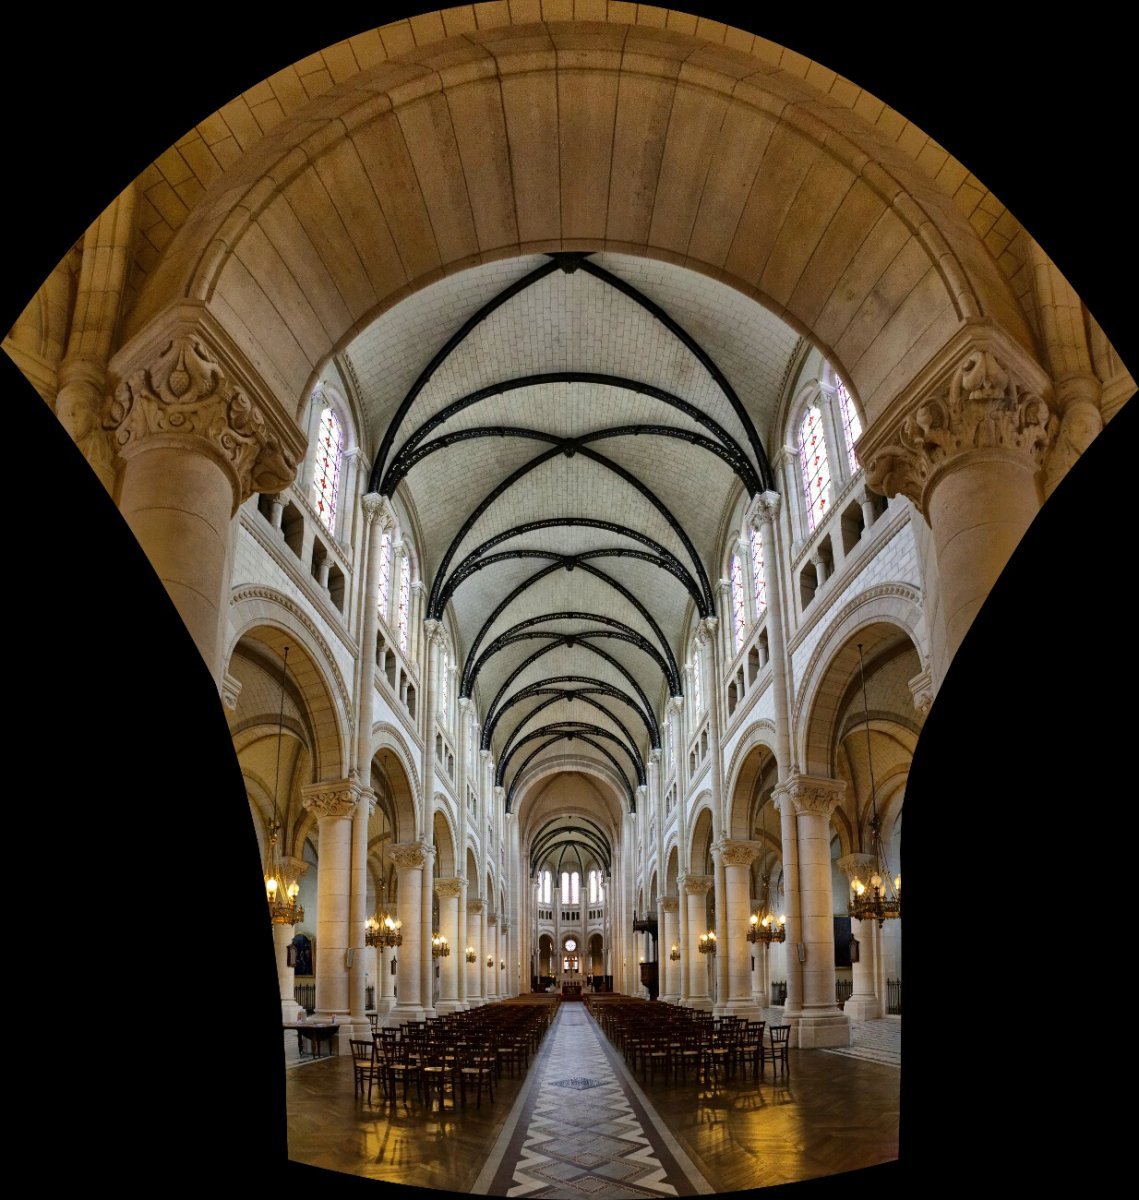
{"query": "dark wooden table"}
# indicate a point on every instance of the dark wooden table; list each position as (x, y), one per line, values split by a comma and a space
(315, 1031)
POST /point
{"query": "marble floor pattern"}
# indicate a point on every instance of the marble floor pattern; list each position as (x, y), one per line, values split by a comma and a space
(583, 1130)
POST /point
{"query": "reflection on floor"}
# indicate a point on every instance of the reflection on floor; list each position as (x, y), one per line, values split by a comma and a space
(579, 1124)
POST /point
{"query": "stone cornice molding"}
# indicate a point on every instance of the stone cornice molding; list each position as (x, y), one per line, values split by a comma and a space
(763, 510)
(669, 904)
(736, 852)
(332, 799)
(182, 378)
(411, 856)
(982, 394)
(811, 794)
(857, 866)
(230, 690)
(921, 688)
(452, 885)
(696, 885)
(242, 594)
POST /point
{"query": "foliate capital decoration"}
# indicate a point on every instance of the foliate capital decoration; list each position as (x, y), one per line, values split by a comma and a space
(921, 688)
(449, 886)
(411, 856)
(813, 795)
(696, 885)
(986, 405)
(476, 906)
(706, 630)
(434, 631)
(857, 866)
(492, 918)
(332, 799)
(378, 507)
(185, 392)
(669, 904)
(736, 852)
(762, 510)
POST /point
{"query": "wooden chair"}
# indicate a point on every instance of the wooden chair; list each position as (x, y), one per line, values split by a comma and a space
(778, 1042)
(436, 1073)
(476, 1066)
(405, 1064)
(749, 1047)
(364, 1066)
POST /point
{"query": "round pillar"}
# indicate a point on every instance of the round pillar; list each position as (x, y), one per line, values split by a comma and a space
(696, 888)
(409, 859)
(449, 890)
(736, 857)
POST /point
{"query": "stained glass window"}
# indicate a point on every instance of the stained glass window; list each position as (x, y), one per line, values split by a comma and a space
(444, 681)
(326, 477)
(739, 615)
(545, 888)
(851, 425)
(671, 742)
(593, 887)
(697, 701)
(575, 888)
(385, 575)
(815, 466)
(758, 574)
(404, 600)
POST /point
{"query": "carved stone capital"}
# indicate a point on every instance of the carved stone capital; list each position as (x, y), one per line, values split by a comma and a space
(476, 906)
(810, 794)
(412, 856)
(707, 629)
(655, 756)
(450, 886)
(762, 510)
(486, 755)
(433, 629)
(988, 400)
(335, 799)
(183, 392)
(1078, 398)
(492, 918)
(921, 688)
(378, 507)
(230, 690)
(736, 852)
(857, 866)
(669, 904)
(696, 885)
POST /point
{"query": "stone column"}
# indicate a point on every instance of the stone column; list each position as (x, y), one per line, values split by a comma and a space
(669, 970)
(506, 973)
(865, 1003)
(409, 859)
(385, 990)
(333, 804)
(491, 963)
(427, 962)
(282, 940)
(781, 799)
(475, 993)
(449, 891)
(967, 453)
(357, 912)
(820, 1022)
(696, 888)
(196, 434)
(736, 857)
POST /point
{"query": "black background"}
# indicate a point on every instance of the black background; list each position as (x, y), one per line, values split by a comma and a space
(132, 870)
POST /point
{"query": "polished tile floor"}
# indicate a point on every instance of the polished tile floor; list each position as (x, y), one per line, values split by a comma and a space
(579, 1124)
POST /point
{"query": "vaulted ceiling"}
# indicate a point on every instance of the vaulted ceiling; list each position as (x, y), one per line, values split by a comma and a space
(570, 430)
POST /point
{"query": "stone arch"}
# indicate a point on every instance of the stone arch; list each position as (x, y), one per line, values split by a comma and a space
(393, 770)
(471, 871)
(507, 192)
(884, 613)
(749, 756)
(672, 870)
(443, 835)
(259, 608)
(700, 840)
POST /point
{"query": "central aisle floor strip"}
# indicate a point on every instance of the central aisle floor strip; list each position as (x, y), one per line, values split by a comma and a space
(582, 1127)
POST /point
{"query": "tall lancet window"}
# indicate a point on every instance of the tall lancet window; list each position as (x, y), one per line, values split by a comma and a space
(444, 682)
(697, 695)
(404, 600)
(326, 476)
(384, 599)
(739, 614)
(758, 574)
(815, 466)
(851, 425)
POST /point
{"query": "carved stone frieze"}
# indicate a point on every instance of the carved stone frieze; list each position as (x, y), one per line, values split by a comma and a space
(735, 852)
(411, 856)
(985, 407)
(338, 799)
(184, 392)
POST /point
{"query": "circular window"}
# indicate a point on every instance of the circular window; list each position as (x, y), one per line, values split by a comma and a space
(571, 944)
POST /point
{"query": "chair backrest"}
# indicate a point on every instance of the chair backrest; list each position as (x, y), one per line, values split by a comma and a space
(362, 1051)
(779, 1034)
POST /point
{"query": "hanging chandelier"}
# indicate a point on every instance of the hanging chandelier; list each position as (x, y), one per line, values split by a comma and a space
(878, 901)
(383, 930)
(764, 926)
(439, 947)
(281, 887)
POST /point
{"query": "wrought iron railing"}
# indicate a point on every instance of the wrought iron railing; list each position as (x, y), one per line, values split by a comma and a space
(894, 997)
(305, 995)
